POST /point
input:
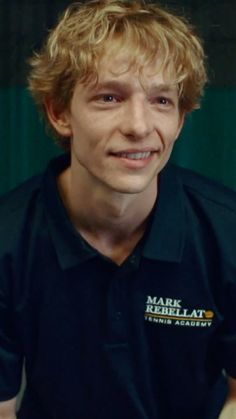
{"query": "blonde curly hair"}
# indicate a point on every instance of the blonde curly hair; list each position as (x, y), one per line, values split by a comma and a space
(74, 47)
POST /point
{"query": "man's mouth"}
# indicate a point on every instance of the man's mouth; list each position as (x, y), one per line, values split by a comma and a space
(134, 156)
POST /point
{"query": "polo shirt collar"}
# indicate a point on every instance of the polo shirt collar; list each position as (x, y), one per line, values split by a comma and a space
(70, 247)
(166, 236)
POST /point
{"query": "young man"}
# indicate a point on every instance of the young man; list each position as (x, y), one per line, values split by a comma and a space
(118, 270)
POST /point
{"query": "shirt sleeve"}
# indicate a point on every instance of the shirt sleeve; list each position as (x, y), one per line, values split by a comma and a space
(11, 359)
(228, 335)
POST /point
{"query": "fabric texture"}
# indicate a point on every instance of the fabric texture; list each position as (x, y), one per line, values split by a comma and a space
(145, 340)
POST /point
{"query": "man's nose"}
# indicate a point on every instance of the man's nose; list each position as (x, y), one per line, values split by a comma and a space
(137, 120)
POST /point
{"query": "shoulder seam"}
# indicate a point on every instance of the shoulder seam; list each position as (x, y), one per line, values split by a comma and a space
(207, 198)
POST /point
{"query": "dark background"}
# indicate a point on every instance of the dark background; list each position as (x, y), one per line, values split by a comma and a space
(208, 141)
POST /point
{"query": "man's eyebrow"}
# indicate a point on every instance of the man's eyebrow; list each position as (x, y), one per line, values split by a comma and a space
(125, 86)
(163, 87)
(111, 84)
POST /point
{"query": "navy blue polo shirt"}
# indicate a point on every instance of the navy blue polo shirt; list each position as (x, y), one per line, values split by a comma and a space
(145, 340)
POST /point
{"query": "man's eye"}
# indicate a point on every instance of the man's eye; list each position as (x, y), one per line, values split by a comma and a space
(163, 100)
(103, 99)
(108, 98)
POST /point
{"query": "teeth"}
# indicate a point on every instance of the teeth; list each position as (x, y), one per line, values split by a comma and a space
(135, 156)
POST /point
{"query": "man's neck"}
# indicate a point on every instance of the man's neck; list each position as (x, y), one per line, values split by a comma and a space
(112, 223)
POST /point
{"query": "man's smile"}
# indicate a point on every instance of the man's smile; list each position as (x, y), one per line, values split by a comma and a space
(134, 155)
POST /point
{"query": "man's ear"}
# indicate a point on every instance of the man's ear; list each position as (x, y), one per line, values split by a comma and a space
(59, 119)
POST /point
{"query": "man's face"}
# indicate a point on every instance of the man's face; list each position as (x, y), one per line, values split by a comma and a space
(123, 128)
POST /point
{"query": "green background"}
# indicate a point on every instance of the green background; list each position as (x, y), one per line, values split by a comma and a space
(207, 143)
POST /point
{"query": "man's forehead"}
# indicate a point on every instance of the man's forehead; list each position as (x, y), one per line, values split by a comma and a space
(122, 68)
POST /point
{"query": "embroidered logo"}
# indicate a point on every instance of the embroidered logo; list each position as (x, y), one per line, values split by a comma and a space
(171, 312)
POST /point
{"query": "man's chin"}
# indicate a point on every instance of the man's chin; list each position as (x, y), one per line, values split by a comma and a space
(134, 187)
